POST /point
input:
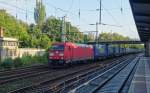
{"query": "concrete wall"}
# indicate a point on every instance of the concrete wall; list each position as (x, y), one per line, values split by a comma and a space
(30, 51)
(8, 53)
(19, 52)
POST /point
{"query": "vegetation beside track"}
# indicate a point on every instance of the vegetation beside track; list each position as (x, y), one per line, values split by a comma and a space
(23, 61)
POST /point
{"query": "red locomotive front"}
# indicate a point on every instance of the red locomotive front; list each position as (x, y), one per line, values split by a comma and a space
(56, 53)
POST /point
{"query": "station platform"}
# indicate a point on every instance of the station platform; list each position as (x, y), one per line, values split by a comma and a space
(141, 79)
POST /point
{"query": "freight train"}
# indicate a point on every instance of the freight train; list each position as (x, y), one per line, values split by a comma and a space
(61, 54)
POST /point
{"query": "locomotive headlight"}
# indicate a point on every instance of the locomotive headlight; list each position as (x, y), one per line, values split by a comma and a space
(61, 54)
(51, 54)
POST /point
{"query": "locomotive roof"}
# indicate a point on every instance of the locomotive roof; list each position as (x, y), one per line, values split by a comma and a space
(72, 44)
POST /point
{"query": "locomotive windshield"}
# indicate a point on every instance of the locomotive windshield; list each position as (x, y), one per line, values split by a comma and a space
(57, 47)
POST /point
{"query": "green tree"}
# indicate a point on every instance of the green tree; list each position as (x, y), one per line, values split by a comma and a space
(53, 27)
(37, 38)
(28, 36)
(39, 13)
(14, 28)
(118, 37)
(112, 37)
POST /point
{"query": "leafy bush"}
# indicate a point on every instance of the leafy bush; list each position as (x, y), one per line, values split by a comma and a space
(45, 57)
(29, 60)
(18, 62)
(39, 59)
(7, 63)
(26, 60)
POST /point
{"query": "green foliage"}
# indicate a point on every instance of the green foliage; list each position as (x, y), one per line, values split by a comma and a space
(112, 37)
(37, 38)
(14, 28)
(29, 36)
(32, 36)
(39, 59)
(18, 62)
(39, 13)
(7, 63)
(117, 37)
(52, 27)
(29, 60)
(26, 60)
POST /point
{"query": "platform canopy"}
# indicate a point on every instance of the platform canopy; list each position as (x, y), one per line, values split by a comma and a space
(116, 42)
(141, 13)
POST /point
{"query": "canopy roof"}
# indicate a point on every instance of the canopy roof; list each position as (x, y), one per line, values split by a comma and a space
(141, 13)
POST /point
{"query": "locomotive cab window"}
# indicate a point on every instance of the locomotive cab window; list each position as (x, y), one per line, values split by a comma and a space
(57, 47)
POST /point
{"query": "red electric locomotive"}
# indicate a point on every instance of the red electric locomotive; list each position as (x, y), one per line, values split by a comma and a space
(68, 53)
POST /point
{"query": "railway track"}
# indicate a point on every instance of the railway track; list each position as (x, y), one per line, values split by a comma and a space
(11, 78)
(113, 80)
(56, 81)
(21, 70)
(12, 75)
(41, 83)
(74, 82)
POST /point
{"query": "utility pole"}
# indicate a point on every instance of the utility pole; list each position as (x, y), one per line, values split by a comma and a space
(100, 11)
(100, 19)
(63, 38)
(69, 38)
(96, 37)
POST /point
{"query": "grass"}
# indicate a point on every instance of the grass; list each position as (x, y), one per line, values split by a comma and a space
(26, 60)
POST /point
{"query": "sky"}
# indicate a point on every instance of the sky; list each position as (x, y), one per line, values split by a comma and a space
(118, 21)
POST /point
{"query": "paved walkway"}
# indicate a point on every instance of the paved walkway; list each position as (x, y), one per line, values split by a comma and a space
(141, 80)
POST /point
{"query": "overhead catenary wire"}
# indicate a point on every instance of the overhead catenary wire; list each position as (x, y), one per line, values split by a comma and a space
(125, 21)
(111, 15)
(13, 10)
(70, 7)
(65, 11)
(120, 5)
(3, 2)
(26, 12)
(77, 14)
(16, 10)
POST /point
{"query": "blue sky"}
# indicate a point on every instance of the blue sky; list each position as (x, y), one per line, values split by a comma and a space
(111, 13)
